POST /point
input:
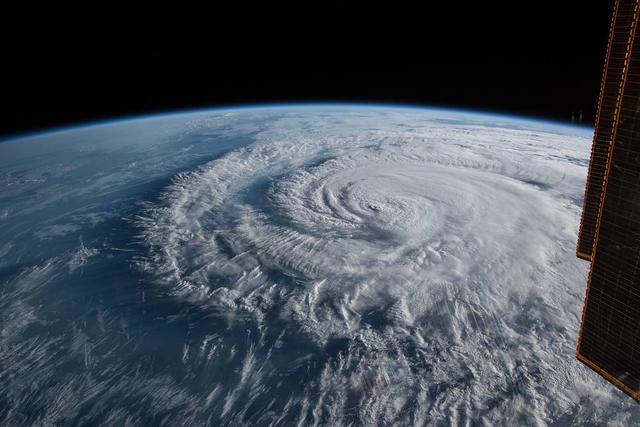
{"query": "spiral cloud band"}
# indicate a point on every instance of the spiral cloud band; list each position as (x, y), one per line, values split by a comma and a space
(396, 267)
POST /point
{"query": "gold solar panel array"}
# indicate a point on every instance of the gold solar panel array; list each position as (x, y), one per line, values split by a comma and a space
(621, 25)
(609, 338)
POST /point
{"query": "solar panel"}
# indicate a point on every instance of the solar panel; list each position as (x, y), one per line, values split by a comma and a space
(609, 340)
(610, 89)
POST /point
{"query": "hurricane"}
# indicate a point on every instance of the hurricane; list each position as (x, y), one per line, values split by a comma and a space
(330, 266)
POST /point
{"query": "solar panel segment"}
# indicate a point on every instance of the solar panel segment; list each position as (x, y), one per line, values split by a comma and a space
(610, 91)
(609, 339)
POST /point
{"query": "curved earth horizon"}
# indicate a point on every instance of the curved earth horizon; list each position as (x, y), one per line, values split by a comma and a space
(312, 265)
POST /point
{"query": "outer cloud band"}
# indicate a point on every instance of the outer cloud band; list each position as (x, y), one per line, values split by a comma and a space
(442, 253)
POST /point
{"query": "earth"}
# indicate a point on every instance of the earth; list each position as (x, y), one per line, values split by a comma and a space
(303, 264)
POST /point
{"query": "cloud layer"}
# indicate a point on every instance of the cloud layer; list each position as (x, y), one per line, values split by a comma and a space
(429, 264)
(297, 266)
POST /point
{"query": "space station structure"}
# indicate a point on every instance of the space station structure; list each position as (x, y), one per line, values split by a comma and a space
(609, 237)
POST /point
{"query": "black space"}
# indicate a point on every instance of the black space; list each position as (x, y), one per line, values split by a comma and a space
(63, 67)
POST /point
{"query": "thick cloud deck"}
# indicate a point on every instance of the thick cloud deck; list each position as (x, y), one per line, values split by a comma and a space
(438, 255)
(316, 265)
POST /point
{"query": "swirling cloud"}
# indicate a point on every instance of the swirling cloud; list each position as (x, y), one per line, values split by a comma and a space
(428, 262)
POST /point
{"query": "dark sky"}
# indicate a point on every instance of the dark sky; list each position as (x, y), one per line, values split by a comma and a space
(62, 67)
